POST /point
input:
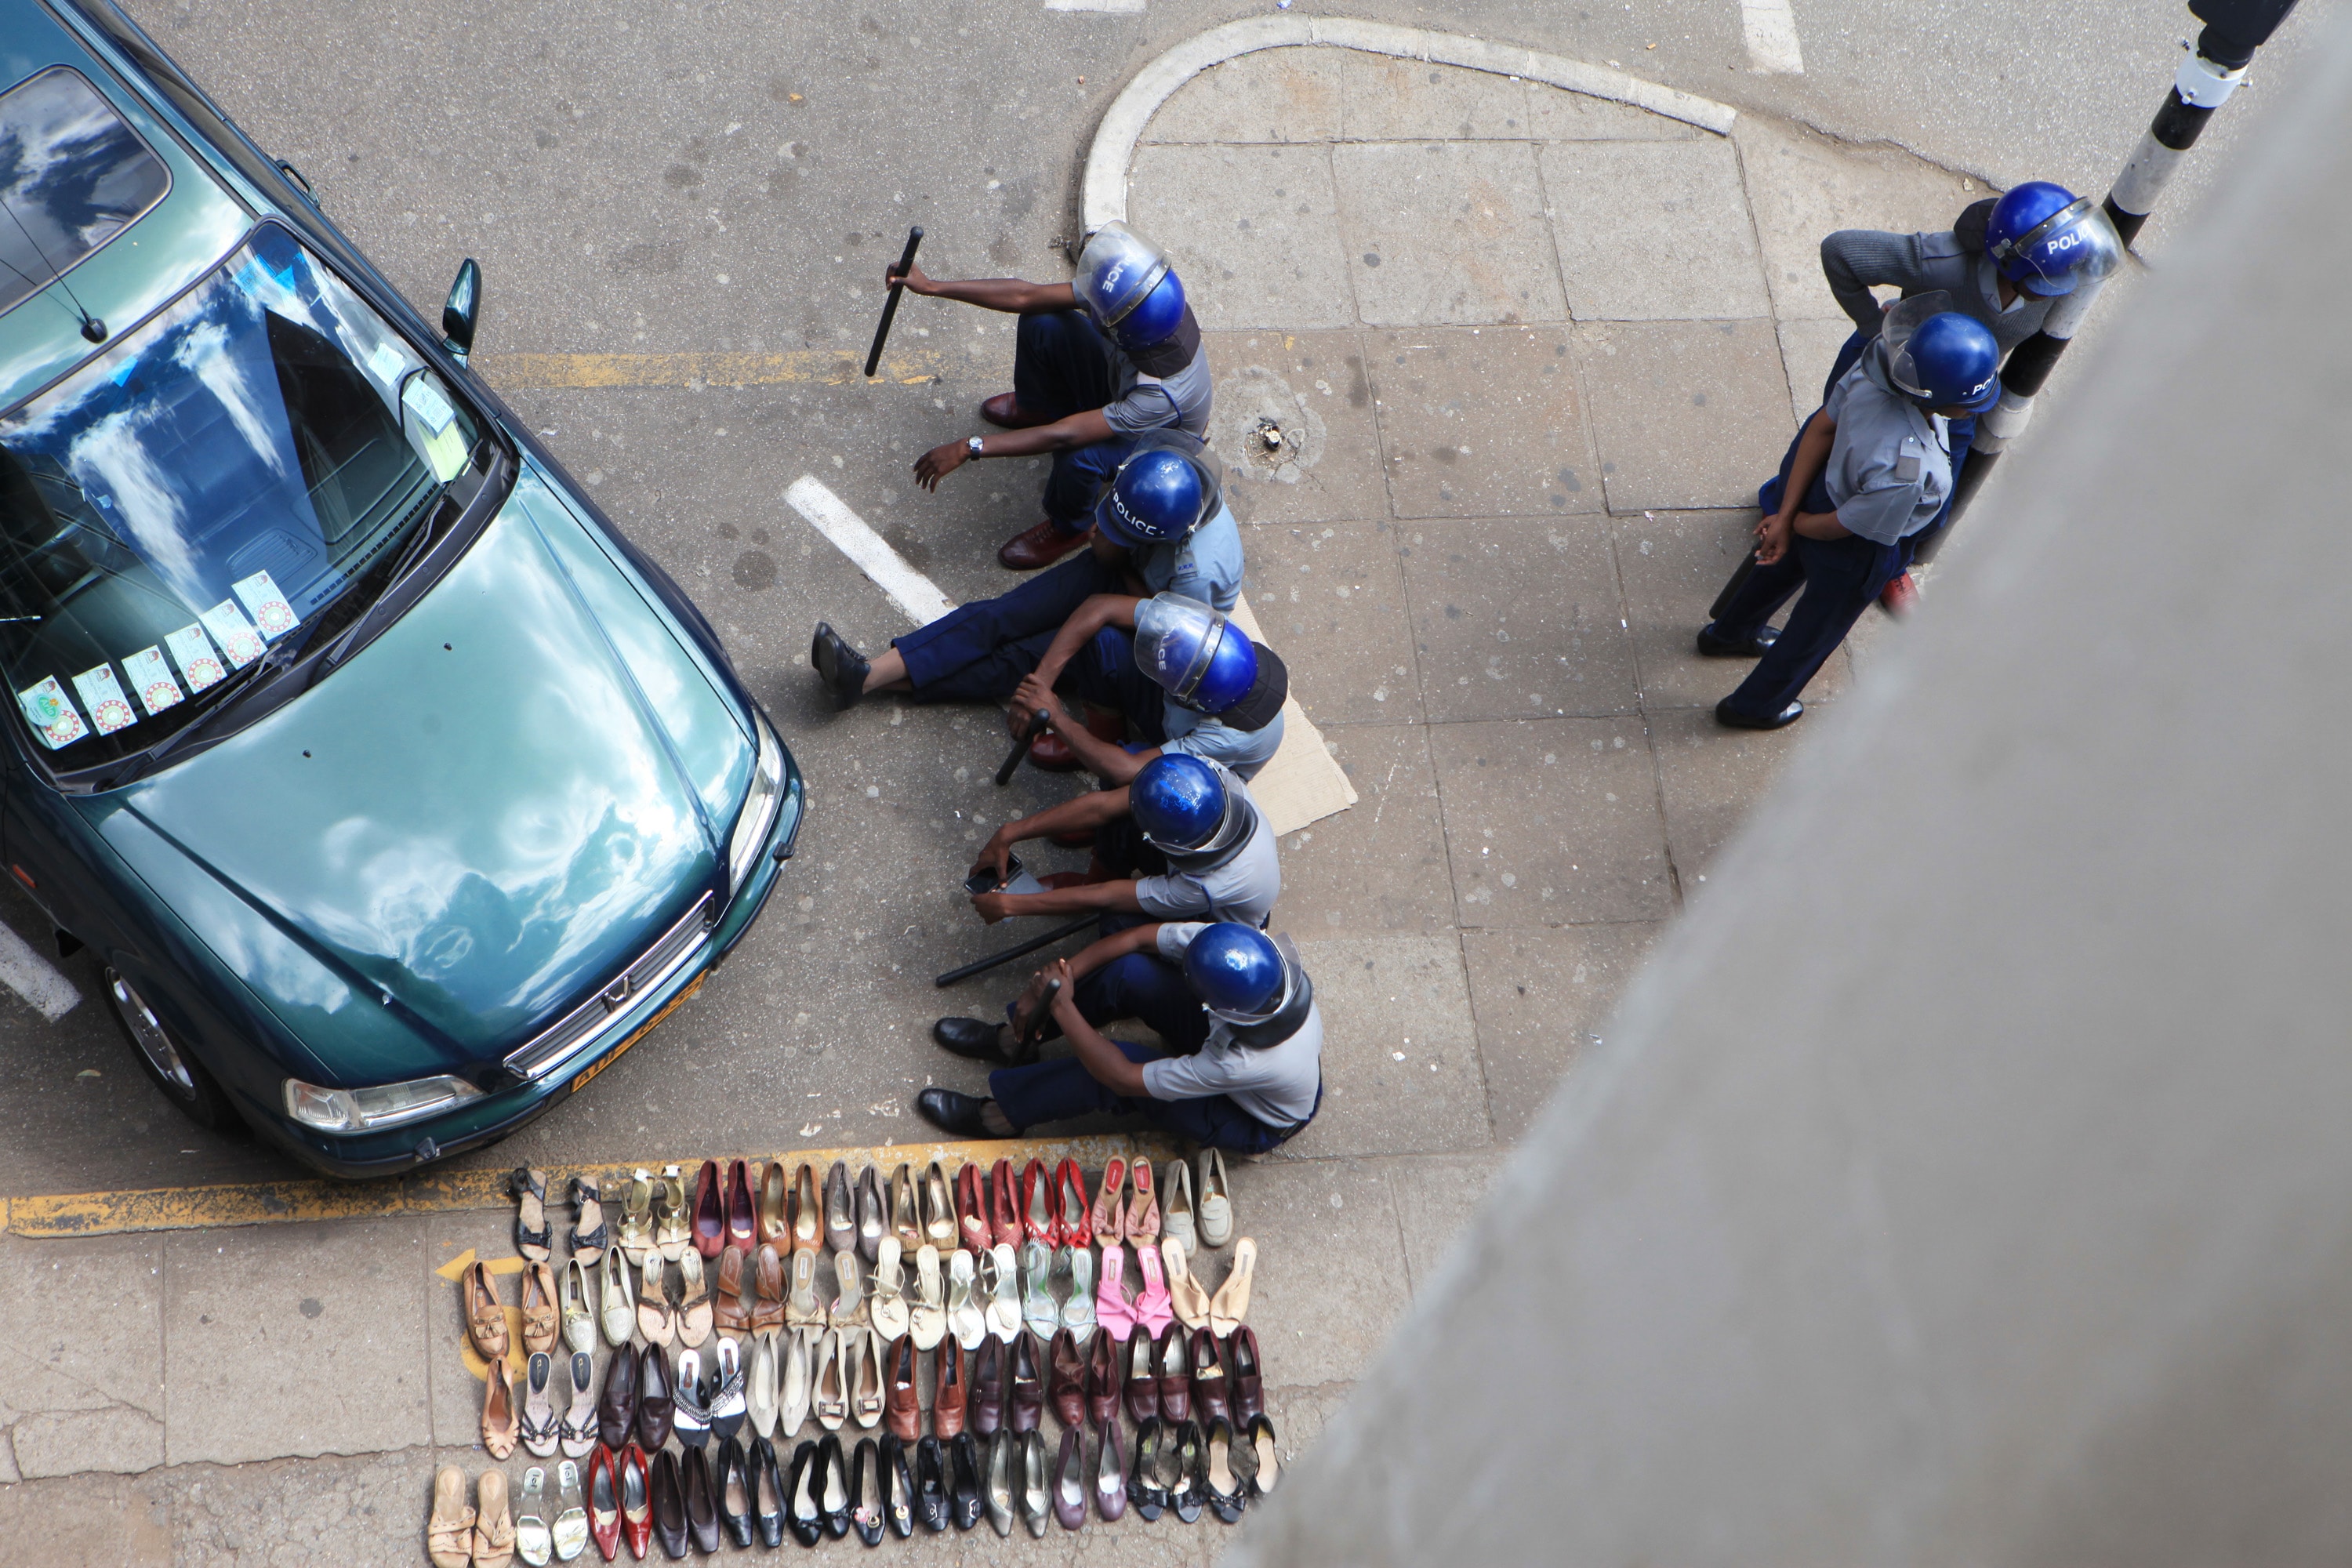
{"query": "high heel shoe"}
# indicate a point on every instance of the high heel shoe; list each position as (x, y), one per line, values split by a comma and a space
(966, 1498)
(604, 1492)
(801, 1308)
(767, 1289)
(865, 1495)
(873, 1217)
(905, 1223)
(1226, 1492)
(772, 1225)
(1000, 1450)
(833, 1495)
(1035, 1505)
(966, 1320)
(1040, 1221)
(576, 1433)
(1184, 1491)
(1111, 1481)
(1153, 1310)
(803, 1513)
(636, 1231)
(840, 1213)
(731, 1483)
(889, 1310)
(1079, 1307)
(767, 1493)
(537, 1426)
(999, 1290)
(897, 1490)
(1143, 1487)
(732, 1316)
(654, 1319)
(848, 1309)
(1186, 1297)
(1113, 1309)
(671, 1231)
(1230, 1305)
(1143, 1208)
(636, 1500)
(742, 1224)
(1268, 1466)
(694, 1307)
(1038, 1308)
(1109, 1216)
(1003, 1207)
(931, 1485)
(937, 1206)
(973, 1231)
(727, 1405)
(709, 1213)
(1070, 1186)
(808, 1220)
(1070, 1483)
(926, 1322)
(690, 1402)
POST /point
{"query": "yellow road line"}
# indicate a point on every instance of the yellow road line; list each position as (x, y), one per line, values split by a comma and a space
(62, 1215)
(825, 367)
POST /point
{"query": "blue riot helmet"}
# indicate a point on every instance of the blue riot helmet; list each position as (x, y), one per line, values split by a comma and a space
(1195, 654)
(1939, 358)
(1182, 805)
(2045, 239)
(1164, 490)
(1125, 283)
(1238, 972)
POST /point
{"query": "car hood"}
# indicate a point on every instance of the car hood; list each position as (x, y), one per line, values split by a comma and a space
(475, 823)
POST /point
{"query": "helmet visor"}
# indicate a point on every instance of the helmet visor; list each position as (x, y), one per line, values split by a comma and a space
(1906, 319)
(2076, 245)
(1175, 639)
(1116, 269)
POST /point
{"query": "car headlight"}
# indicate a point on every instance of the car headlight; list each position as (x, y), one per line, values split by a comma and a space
(759, 806)
(368, 1109)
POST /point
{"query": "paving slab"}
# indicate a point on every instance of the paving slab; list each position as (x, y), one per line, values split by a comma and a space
(1388, 99)
(1330, 1278)
(1257, 225)
(1710, 777)
(271, 1350)
(1332, 598)
(1445, 234)
(1434, 1198)
(1381, 867)
(1803, 187)
(1273, 95)
(1556, 115)
(1314, 390)
(83, 1387)
(1483, 422)
(1674, 563)
(1551, 821)
(1541, 996)
(1808, 350)
(357, 1512)
(1654, 231)
(1684, 414)
(1401, 1073)
(1520, 619)
(90, 1522)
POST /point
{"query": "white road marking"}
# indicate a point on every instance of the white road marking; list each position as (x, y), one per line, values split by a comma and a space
(34, 978)
(908, 589)
(1123, 7)
(1772, 29)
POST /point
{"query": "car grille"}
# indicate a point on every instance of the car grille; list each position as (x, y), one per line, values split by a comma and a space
(578, 1027)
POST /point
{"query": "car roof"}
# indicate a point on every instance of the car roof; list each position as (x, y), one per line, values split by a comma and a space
(139, 271)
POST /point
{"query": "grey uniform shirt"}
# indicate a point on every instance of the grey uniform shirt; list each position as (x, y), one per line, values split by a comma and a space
(1206, 564)
(1276, 1084)
(1890, 468)
(1852, 259)
(1178, 398)
(1211, 740)
(1243, 889)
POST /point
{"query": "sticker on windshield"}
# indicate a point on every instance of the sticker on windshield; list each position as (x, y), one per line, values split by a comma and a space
(150, 677)
(194, 653)
(234, 633)
(267, 605)
(51, 713)
(445, 448)
(432, 410)
(109, 708)
(385, 364)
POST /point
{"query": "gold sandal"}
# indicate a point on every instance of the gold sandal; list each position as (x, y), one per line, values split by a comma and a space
(674, 1229)
(636, 1231)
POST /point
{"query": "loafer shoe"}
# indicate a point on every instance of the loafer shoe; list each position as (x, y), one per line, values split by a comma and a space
(957, 1115)
(1753, 646)
(840, 666)
(1006, 414)
(1039, 546)
(1049, 753)
(1726, 714)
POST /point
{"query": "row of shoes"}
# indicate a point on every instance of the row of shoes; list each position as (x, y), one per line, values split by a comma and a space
(1172, 1378)
(976, 1210)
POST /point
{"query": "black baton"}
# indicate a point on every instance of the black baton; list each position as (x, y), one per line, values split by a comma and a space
(1070, 928)
(1731, 589)
(890, 304)
(1037, 722)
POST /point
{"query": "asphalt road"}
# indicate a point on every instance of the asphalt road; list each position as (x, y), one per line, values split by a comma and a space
(729, 176)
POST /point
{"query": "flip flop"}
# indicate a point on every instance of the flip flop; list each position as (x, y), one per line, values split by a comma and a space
(531, 1231)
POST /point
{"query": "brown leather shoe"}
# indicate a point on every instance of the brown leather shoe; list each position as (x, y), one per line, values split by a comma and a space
(485, 1320)
(656, 1405)
(1004, 412)
(902, 1407)
(1249, 1380)
(950, 1391)
(1142, 1381)
(616, 1408)
(1175, 1378)
(728, 1317)
(1209, 1387)
(985, 1410)
(741, 1223)
(1004, 1210)
(709, 1211)
(539, 1317)
(1068, 1371)
(1102, 1380)
(971, 1208)
(1051, 754)
(767, 1288)
(499, 1427)
(1028, 1389)
(1040, 546)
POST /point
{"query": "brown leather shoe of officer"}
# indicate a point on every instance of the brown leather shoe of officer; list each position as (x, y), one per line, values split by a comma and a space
(1006, 414)
(1040, 546)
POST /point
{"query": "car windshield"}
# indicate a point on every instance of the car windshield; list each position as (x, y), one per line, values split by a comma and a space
(219, 481)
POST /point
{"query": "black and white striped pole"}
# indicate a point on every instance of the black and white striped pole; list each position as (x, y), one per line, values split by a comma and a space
(2234, 29)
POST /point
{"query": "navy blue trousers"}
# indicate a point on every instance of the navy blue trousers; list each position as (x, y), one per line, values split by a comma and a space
(980, 652)
(1151, 989)
(1061, 366)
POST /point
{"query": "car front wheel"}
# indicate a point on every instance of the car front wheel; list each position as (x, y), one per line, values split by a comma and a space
(182, 1078)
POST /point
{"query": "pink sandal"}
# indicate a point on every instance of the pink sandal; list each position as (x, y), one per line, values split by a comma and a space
(1113, 1311)
(1153, 1310)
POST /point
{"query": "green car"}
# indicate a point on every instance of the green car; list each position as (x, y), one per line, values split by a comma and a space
(395, 790)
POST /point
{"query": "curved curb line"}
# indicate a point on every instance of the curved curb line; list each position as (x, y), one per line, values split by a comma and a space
(1103, 197)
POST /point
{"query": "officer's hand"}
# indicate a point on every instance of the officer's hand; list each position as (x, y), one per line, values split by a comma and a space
(1065, 999)
(1772, 537)
(994, 857)
(1025, 1007)
(914, 277)
(939, 463)
(991, 907)
(1033, 693)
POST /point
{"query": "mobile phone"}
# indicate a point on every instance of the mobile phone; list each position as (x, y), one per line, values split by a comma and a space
(982, 882)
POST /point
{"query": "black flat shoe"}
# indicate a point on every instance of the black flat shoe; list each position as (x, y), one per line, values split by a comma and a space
(931, 1485)
(841, 667)
(767, 1484)
(1749, 647)
(971, 1499)
(802, 1513)
(971, 1038)
(957, 1115)
(1143, 1488)
(1185, 1492)
(832, 1487)
(732, 1480)
(897, 1490)
(1726, 714)
(864, 1517)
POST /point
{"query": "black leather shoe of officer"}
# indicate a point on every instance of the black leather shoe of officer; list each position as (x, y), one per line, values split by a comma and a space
(841, 667)
(1726, 714)
(953, 1113)
(1750, 647)
(971, 1038)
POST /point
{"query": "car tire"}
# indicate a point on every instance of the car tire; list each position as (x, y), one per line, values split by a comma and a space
(169, 1066)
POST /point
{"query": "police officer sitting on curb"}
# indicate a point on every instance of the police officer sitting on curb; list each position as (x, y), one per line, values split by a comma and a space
(1163, 528)
(1229, 1001)
(1205, 850)
(1867, 475)
(1097, 362)
(2005, 262)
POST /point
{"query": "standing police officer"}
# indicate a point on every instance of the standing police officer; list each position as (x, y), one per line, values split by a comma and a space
(1868, 473)
(1098, 362)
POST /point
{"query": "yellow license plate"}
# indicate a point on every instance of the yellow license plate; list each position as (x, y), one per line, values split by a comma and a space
(641, 1031)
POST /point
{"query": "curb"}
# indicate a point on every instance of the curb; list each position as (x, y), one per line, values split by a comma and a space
(71, 1215)
(1103, 196)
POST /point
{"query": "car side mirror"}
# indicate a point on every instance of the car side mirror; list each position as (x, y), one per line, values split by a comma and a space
(463, 310)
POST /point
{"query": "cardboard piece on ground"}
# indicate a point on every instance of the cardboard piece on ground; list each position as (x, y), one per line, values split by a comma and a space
(1301, 783)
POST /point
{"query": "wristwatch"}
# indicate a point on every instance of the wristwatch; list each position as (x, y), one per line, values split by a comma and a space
(972, 445)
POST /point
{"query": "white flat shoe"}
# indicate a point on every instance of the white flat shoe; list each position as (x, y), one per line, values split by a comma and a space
(966, 1320)
(928, 1320)
(888, 1308)
(1078, 1312)
(620, 1313)
(579, 1322)
(798, 1383)
(1176, 1222)
(1215, 1211)
(760, 1398)
(1000, 1275)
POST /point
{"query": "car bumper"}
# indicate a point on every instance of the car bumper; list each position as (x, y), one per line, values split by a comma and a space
(483, 1121)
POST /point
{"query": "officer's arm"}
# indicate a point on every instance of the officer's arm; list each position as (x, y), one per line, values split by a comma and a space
(1099, 757)
(1081, 815)
(1083, 429)
(1821, 525)
(1098, 611)
(1070, 971)
(1116, 896)
(1010, 295)
(1854, 259)
(1104, 1062)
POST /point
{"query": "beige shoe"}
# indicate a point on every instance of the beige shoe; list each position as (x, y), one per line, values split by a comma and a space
(485, 1315)
(1185, 1293)
(500, 1427)
(888, 1309)
(1176, 1208)
(620, 1300)
(802, 1308)
(904, 1223)
(865, 1386)
(1229, 1308)
(937, 1207)
(1216, 1212)
(654, 1317)
(694, 1305)
(539, 1317)
(579, 1322)
(494, 1531)
(831, 1399)
(848, 1291)
(637, 1229)
(795, 1407)
(449, 1532)
(928, 1319)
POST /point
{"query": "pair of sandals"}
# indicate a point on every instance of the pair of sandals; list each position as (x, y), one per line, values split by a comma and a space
(657, 1220)
(536, 1541)
(535, 1235)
